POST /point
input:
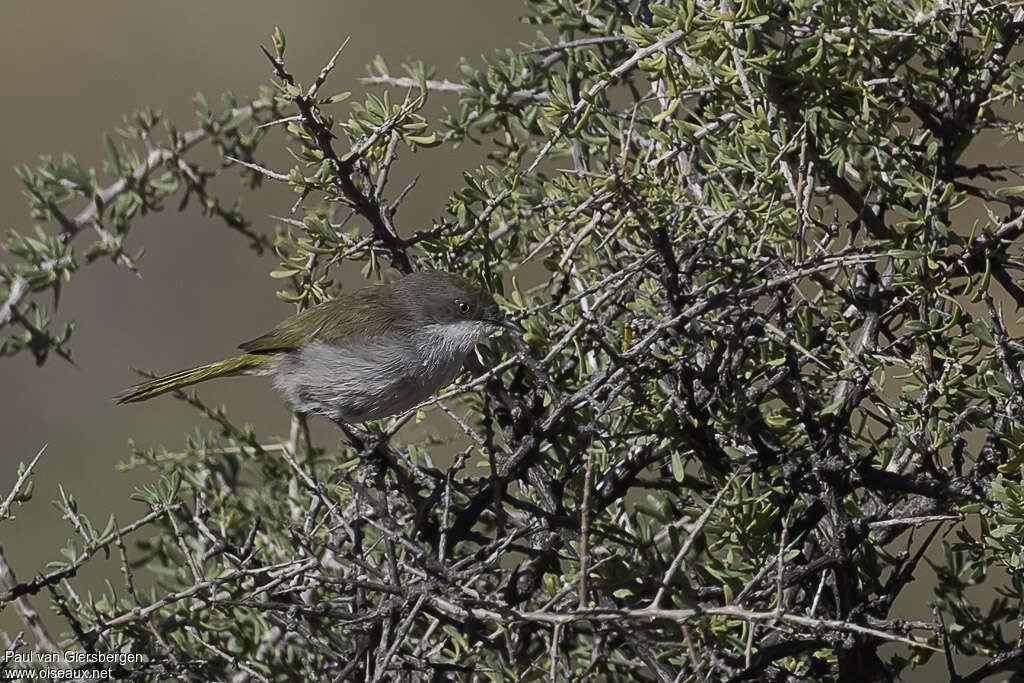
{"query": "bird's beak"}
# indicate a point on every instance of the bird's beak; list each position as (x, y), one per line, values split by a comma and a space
(506, 323)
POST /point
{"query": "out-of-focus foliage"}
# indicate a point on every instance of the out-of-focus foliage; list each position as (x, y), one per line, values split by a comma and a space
(769, 378)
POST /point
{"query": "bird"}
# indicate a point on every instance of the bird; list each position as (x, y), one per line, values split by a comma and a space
(365, 355)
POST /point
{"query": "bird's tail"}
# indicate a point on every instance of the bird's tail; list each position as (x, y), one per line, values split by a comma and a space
(246, 364)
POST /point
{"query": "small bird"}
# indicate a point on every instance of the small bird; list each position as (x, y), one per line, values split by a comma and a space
(366, 355)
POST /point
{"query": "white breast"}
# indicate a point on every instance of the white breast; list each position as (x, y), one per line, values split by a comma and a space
(378, 378)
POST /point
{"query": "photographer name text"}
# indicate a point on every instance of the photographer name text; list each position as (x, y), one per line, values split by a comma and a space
(71, 657)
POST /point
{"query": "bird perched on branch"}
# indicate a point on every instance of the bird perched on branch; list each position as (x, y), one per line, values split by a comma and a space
(366, 355)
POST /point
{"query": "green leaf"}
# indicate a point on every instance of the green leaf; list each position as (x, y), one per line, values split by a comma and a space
(279, 42)
(677, 467)
(832, 407)
(340, 97)
(980, 330)
(282, 273)
(423, 140)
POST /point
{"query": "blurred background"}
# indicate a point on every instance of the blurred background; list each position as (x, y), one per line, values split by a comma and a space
(70, 72)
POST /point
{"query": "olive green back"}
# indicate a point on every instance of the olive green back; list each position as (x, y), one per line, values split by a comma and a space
(363, 313)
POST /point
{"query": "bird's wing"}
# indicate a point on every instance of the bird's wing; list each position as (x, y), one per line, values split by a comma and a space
(363, 313)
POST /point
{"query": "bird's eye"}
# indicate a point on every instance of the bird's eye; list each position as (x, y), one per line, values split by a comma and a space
(464, 307)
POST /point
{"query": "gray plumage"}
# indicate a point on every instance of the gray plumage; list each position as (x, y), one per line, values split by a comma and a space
(365, 355)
